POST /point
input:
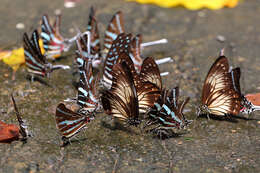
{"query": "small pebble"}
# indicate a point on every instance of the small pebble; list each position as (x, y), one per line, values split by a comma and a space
(241, 59)
(57, 11)
(71, 30)
(6, 75)
(201, 14)
(20, 26)
(221, 38)
(179, 143)
(69, 4)
(233, 131)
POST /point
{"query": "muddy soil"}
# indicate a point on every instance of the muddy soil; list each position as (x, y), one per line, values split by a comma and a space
(205, 146)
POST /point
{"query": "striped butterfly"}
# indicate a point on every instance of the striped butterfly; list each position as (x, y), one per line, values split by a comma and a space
(121, 100)
(34, 59)
(247, 106)
(148, 82)
(120, 45)
(219, 95)
(87, 90)
(53, 42)
(22, 124)
(114, 28)
(94, 41)
(167, 113)
(90, 48)
(69, 122)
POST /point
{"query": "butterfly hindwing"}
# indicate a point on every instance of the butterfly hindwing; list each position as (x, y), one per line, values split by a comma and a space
(34, 59)
(68, 122)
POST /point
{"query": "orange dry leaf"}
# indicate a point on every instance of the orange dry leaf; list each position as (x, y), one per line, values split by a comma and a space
(8, 132)
(192, 4)
(254, 98)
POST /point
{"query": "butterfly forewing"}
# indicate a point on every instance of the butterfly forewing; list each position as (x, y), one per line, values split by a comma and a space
(119, 46)
(122, 97)
(115, 27)
(219, 94)
(53, 42)
(34, 59)
(68, 122)
(135, 53)
(93, 28)
(87, 88)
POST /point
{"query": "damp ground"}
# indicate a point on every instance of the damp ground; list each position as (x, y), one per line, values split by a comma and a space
(195, 39)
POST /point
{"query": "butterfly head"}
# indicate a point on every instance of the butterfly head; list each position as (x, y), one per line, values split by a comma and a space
(48, 69)
(203, 110)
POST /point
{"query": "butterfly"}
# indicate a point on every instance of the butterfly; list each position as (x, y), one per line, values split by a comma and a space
(220, 95)
(247, 106)
(35, 61)
(87, 90)
(95, 48)
(120, 45)
(53, 42)
(114, 28)
(121, 100)
(167, 113)
(69, 122)
(22, 124)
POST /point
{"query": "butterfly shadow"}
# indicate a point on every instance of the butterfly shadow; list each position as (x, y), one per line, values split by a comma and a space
(164, 134)
(244, 118)
(65, 142)
(118, 126)
(228, 118)
(37, 79)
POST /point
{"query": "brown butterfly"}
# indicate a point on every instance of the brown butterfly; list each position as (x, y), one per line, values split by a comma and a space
(121, 100)
(219, 95)
(148, 83)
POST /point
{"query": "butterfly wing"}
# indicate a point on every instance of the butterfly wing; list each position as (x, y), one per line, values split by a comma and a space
(119, 46)
(93, 28)
(22, 126)
(147, 92)
(122, 98)
(218, 93)
(115, 27)
(68, 122)
(34, 59)
(136, 52)
(53, 42)
(150, 72)
(87, 88)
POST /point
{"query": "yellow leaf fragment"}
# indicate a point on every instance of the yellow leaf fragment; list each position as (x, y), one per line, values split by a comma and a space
(192, 4)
